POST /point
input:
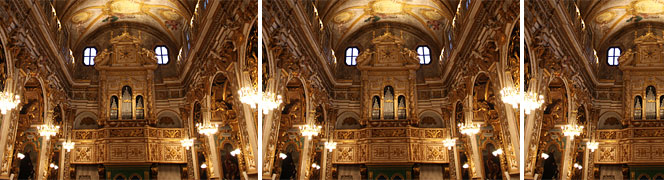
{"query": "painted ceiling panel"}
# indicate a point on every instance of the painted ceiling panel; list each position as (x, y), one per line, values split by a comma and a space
(609, 17)
(85, 17)
(348, 17)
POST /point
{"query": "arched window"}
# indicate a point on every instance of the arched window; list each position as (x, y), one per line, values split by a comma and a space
(375, 108)
(613, 55)
(637, 107)
(89, 56)
(114, 107)
(126, 103)
(651, 103)
(661, 107)
(162, 54)
(351, 56)
(139, 108)
(388, 103)
(424, 54)
(401, 111)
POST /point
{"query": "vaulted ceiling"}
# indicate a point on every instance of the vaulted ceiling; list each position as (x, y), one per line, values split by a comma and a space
(610, 18)
(86, 17)
(346, 17)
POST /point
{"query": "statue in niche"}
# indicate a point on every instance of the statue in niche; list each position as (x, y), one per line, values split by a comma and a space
(126, 103)
(139, 108)
(114, 108)
(375, 113)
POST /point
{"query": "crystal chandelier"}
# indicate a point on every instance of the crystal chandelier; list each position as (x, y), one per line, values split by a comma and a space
(249, 96)
(48, 130)
(572, 130)
(592, 145)
(8, 101)
(449, 143)
(532, 101)
(511, 95)
(469, 128)
(310, 130)
(207, 128)
(270, 102)
(68, 145)
(187, 142)
(330, 145)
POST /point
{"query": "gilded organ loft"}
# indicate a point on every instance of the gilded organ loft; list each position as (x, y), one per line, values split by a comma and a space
(128, 89)
(389, 90)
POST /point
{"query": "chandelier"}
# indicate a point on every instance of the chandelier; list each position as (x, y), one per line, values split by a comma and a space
(449, 143)
(497, 152)
(572, 130)
(8, 101)
(235, 152)
(469, 128)
(249, 96)
(532, 101)
(310, 130)
(330, 145)
(511, 95)
(48, 130)
(592, 145)
(314, 165)
(207, 128)
(187, 142)
(270, 102)
(68, 145)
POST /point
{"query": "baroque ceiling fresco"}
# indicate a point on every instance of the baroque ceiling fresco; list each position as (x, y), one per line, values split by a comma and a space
(350, 16)
(608, 17)
(166, 16)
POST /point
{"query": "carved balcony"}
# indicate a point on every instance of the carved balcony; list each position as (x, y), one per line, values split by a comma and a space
(642, 145)
(390, 145)
(128, 145)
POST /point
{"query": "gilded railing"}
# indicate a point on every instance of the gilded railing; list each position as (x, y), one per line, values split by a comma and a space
(128, 145)
(630, 146)
(390, 145)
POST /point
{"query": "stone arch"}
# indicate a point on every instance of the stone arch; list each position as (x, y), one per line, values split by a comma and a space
(348, 120)
(431, 119)
(86, 120)
(609, 120)
(168, 119)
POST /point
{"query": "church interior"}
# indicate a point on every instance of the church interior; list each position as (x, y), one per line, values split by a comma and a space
(598, 66)
(128, 89)
(390, 89)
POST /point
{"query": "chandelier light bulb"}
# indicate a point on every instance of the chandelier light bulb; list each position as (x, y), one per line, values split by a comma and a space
(8, 101)
(511, 95)
(310, 130)
(497, 152)
(203, 166)
(592, 145)
(187, 143)
(207, 128)
(572, 130)
(469, 128)
(249, 96)
(330, 145)
(20, 155)
(270, 102)
(545, 155)
(235, 152)
(68, 145)
(532, 101)
(449, 143)
(48, 130)
(283, 156)
(465, 166)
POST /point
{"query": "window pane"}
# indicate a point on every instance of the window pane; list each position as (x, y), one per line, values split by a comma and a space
(355, 52)
(349, 52)
(426, 50)
(93, 52)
